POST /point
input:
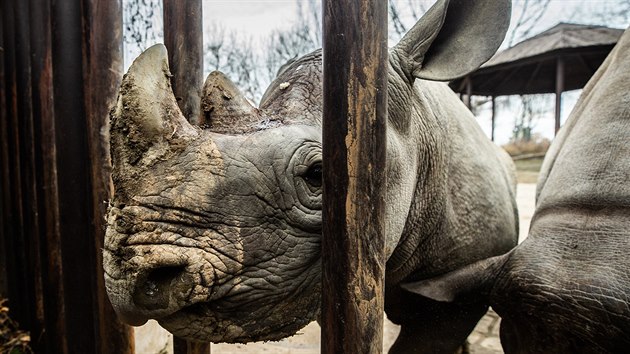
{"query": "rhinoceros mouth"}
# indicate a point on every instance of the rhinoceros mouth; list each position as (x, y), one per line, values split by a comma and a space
(207, 322)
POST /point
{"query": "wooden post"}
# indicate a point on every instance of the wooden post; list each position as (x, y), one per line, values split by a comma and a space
(182, 346)
(50, 237)
(468, 92)
(14, 227)
(55, 174)
(102, 72)
(494, 108)
(559, 90)
(73, 177)
(354, 149)
(183, 38)
(3, 202)
(29, 168)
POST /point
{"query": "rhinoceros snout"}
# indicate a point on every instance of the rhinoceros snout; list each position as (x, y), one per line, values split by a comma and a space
(161, 288)
(149, 282)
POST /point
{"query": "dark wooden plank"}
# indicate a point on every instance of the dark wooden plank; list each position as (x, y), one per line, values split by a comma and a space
(73, 178)
(183, 39)
(44, 132)
(103, 69)
(14, 226)
(4, 170)
(30, 245)
(354, 140)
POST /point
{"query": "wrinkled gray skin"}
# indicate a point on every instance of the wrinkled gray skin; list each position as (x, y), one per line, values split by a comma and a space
(215, 232)
(566, 288)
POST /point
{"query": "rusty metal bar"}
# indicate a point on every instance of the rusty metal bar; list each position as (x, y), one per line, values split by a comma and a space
(183, 38)
(354, 140)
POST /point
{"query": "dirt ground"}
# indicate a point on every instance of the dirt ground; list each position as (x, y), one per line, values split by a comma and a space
(152, 339)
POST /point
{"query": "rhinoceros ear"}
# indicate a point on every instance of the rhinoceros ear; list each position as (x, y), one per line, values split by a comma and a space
(453, 38)
(470, 283)
(224, 109)
(146, 111)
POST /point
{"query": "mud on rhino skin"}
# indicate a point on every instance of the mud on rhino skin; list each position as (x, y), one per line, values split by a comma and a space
(215, 232)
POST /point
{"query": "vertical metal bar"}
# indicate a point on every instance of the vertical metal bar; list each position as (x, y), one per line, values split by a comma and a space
(354, 141)
(43, 113)
(559, 90)
(73, 177)
(102, 74)
(183, 38)
(494, 111)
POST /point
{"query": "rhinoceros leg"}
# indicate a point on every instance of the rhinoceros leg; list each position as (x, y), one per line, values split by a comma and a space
(428, 326)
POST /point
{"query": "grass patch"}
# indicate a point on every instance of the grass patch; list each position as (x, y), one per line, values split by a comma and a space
(527, 170)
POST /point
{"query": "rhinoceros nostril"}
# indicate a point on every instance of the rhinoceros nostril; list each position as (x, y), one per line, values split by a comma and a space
(155, 290)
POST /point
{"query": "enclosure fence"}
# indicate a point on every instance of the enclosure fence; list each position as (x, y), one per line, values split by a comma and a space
(60, 69)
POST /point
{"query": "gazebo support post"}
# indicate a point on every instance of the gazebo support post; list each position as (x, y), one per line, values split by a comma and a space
(468, 92)
(559, 89)
(493, 118)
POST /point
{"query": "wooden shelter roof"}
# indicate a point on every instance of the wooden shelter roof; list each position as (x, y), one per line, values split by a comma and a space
(530, 66)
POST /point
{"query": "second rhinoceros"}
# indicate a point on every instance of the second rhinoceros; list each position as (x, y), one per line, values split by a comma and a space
(215, 232)
(566, 288)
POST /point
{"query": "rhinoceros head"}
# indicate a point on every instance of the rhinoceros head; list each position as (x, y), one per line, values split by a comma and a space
(215, 231)
(209, 230)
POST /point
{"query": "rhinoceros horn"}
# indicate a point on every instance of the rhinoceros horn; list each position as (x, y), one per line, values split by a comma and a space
(146, 121)
(224, 109)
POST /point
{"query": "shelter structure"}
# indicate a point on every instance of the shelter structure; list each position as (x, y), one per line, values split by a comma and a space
(559, 59)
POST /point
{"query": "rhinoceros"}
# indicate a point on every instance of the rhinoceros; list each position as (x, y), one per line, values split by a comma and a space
(215, 231)
(566, 288)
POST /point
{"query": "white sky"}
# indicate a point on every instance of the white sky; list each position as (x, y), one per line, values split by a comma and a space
(256, 19)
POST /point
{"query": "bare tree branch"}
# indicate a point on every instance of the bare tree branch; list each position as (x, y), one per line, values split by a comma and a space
(395, 20)
(529, 14)
(235, 57)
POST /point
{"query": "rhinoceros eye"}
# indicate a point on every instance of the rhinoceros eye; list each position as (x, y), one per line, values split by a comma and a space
(313, 176)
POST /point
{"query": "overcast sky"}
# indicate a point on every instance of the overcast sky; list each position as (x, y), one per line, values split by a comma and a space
(259, 18)
(256, 19)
